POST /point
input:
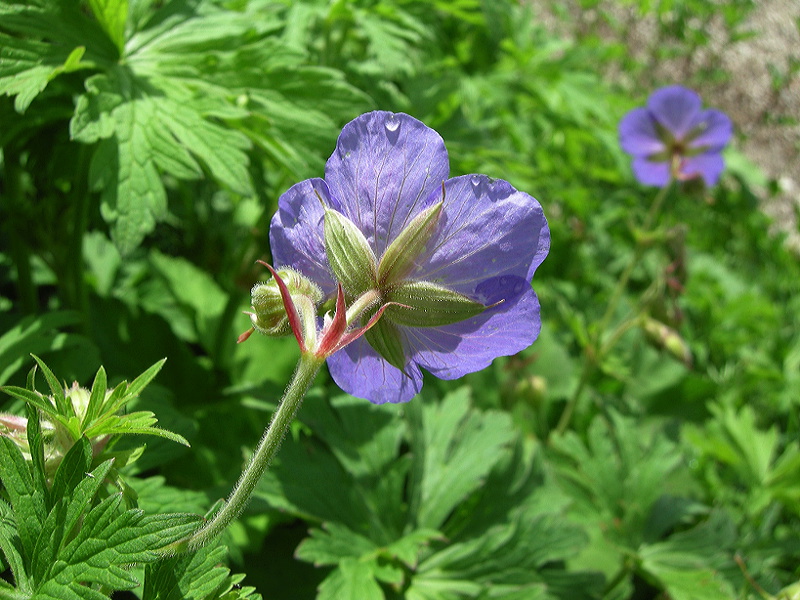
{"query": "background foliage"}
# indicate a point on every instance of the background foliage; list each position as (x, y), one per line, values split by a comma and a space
(144, 146)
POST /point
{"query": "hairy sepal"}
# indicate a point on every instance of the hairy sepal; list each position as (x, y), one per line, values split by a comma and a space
(423, 304)
(351, 259)
(399, 258)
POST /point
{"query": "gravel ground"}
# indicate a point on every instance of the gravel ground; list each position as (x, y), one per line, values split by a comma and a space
(761, 91)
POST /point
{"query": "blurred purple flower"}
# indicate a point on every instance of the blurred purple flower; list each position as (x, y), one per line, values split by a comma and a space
(673, 138)
(486, 243)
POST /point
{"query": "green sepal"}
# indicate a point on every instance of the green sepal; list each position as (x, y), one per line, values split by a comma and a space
(399, 258)
(423, 304)
(351, 259)
(385, 339)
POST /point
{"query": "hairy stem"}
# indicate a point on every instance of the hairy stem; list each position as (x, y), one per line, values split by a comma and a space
(304, 375)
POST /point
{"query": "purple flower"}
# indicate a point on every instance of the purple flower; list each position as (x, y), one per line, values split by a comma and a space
(673, 138)
(456, 288)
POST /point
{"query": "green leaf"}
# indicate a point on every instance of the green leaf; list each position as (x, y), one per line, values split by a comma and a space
(32, 398)
(530, 544)
(36, 449)
(409, 548)
(156, 497)
(57, 389)
(145, 131)
(27, 501)
(112, 15)
(72, 469)
(687, 564)
(353, 580)
(193, 296)
(83, 494)
(75, 544)
(734, 438)
(96, 398)
(27, 67)
(197, 576)
(141, 423)
(617, 475)
(503, 532)
(137, 385)
(333, 544)
(41, 40)
(454, 449)
(108, 540)
(298, 108)
(12, 551)
(33, 335)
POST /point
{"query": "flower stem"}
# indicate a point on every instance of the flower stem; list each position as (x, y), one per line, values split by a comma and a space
(638, 251)
(75, 291)
(14, 227)
(304, 375)
(597, 349)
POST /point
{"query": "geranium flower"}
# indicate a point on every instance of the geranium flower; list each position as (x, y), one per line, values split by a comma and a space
(448, 261)
(673, 138)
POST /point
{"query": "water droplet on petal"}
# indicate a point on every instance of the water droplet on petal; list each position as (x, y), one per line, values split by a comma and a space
(392, 122)
(476, 180)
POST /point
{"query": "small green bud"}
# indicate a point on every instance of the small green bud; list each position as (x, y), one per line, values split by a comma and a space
(269, 314)
(791, 592)
(423, 304)
(399, 258)
(667, 339)
(532, 389)
(351, 259)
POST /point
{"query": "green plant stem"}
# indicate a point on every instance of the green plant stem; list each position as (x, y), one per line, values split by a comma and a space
(597, 349)
(566, 415)
(304, 375)
(638, 251)
(624, 572)
(74, 283)
(16, 231)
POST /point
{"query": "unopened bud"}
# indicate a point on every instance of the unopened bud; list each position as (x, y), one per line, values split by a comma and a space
(269, 314)
(668, 339)
(791, 592)
(531, 389)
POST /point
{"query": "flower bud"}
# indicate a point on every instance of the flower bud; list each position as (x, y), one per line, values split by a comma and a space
(667, 339)
(532, 389)
(269, 314)
(57, 437)
(78, 397)
(791, 592)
